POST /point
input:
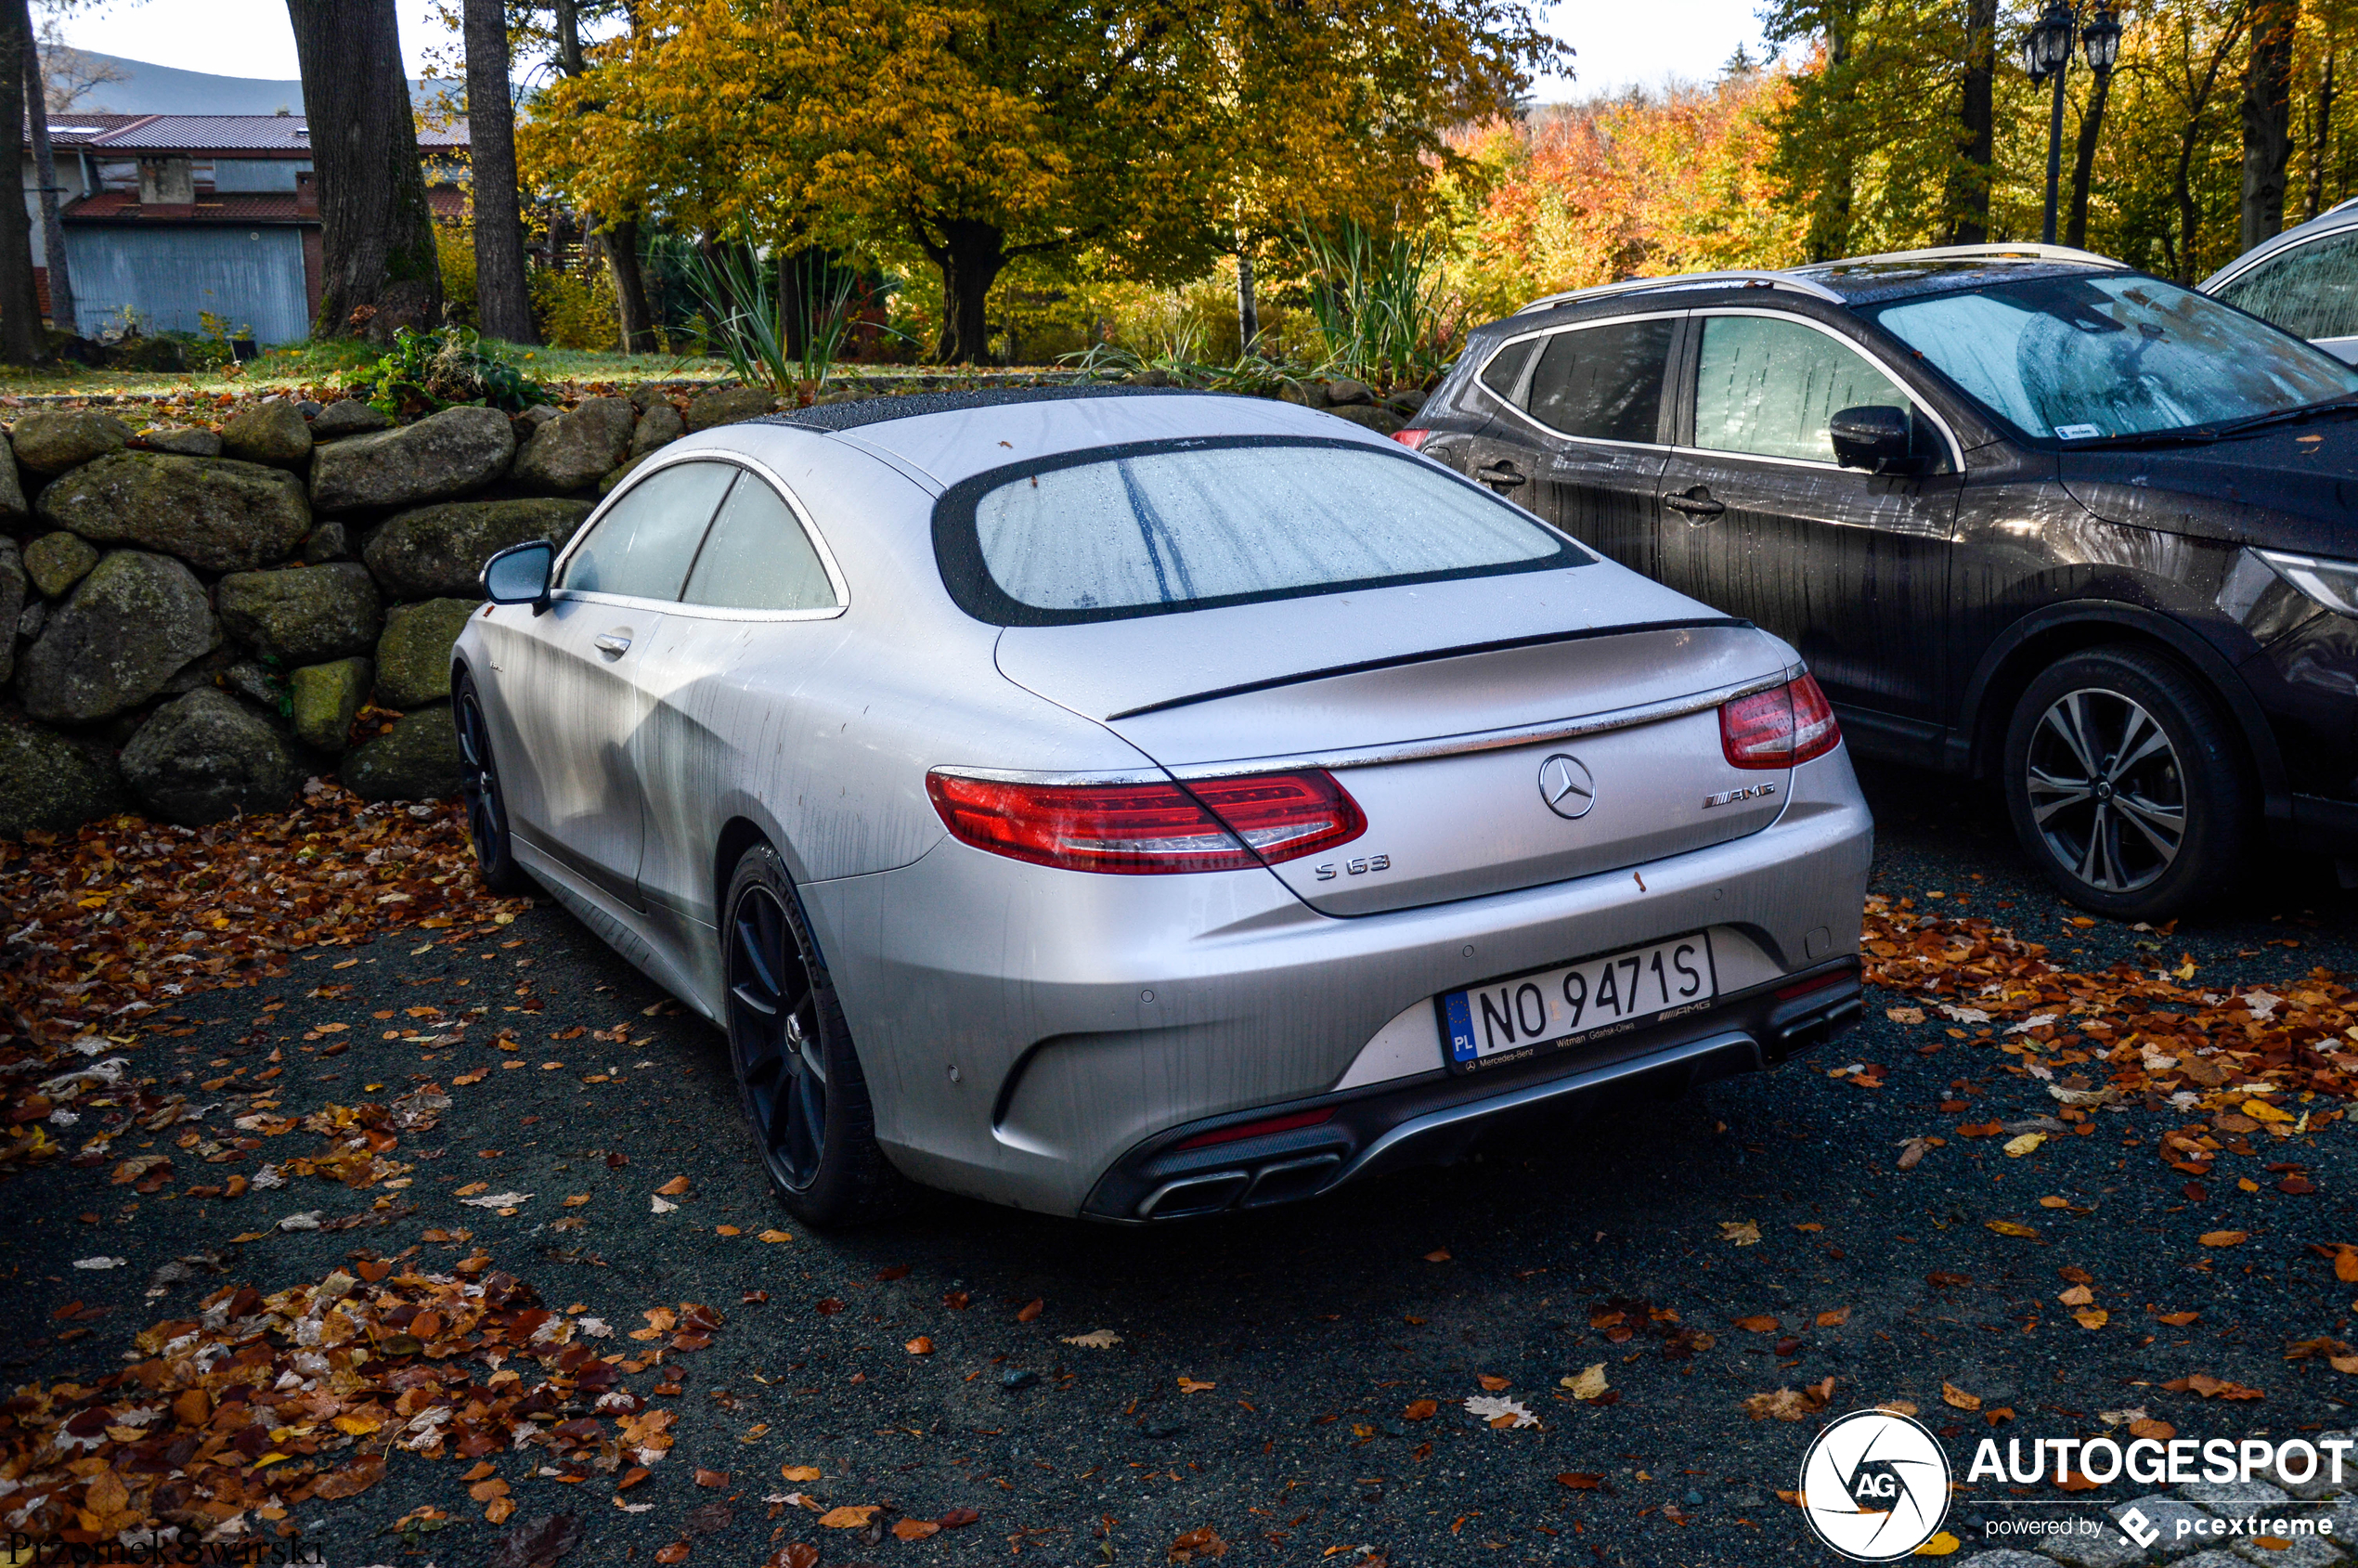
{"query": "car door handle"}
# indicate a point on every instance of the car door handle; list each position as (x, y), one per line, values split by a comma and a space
(1695, 503)
(1500, 476)
(614, 644)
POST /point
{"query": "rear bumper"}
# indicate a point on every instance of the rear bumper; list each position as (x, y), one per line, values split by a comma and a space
(1435, 1118)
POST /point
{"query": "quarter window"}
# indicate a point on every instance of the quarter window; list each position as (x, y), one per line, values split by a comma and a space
(1771, 387)
(641, 548)
(758, 557)
(2310, 290)
(1503, 375)
(1603, 383)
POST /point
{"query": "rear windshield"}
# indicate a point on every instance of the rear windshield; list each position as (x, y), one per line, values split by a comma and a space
(1183, 526)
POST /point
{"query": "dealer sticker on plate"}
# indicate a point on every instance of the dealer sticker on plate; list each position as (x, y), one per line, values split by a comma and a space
(1511, 1019)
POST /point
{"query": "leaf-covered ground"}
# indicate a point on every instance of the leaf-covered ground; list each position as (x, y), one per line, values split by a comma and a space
(355, 1208)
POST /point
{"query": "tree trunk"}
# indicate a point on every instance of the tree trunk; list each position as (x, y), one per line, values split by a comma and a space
(1247, 307)
(378, 268)
(2267, 118)
(2083, 160)
(1969, 201)
(970, 256)
(503, 304)
(632, 314)
(568, 20)
(53, 233)
(20, 341)
(2316, 197)
(1830, 215)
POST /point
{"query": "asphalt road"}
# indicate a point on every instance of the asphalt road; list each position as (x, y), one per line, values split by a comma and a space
(1267, 1366)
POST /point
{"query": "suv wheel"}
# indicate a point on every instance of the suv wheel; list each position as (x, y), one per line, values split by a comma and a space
(798, 1078)
(2127, 784)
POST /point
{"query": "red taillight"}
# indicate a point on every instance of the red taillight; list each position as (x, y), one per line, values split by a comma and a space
(1256, 1129)
(1151, 829)
(1412, 438)
(1778, 729)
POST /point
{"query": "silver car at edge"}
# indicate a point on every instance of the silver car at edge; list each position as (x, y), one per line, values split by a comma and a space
(1139, 806)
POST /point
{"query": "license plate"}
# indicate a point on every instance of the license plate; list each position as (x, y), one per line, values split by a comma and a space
(1509, 1020)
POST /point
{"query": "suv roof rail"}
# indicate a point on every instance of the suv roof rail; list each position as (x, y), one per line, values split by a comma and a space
(1746, 277)
(1960, 252)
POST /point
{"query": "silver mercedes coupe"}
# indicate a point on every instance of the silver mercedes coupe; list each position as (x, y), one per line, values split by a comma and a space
(1141, 804)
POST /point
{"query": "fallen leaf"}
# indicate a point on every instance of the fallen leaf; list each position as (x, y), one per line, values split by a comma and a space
(660, 1206)
(1589, 1384)
(1438, 1255)
(799, 1473)
(2178, 1319)
(913, 1529)
(2223, 1237)
(921, 1345)
(1030, 1310)
(773, 1235)
(1193, 1385)
(711, 1479)
(848, 1517)
(1833, 1319)
(2079, 1295)
(1941, 1544)
(1580, 1481)
(2017, 1147)
(1096, 1339)
(1499, 1411)
(673, 1189)
(1421, 1410)
(1202, 1541)
(1744, 1233)
(1757, 1324)
(2209, 1387)
(536, 1543)
(1951, 1394)
(2009, 1227)
(1492, 1384)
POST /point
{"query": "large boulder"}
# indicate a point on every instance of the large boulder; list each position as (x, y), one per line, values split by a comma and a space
(413, 656)
(51, 783)
(207, 756)
(347, 416)
(12, 507)
(440, 550)
(658, 427)
(130, 625)
(326, 697)
(444, 453)
(417, 760)
(1375, 417)
(272, 432)
(571, 451)
(212, 512)
(12, 584)
(303, 614)
(729, 404)
(53, 441)
(185, 440)
(55, 561)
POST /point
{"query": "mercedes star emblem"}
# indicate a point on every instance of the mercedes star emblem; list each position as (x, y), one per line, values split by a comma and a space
(1566, 786)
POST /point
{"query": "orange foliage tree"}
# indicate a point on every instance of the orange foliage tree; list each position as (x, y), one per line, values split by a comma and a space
(1642, 184)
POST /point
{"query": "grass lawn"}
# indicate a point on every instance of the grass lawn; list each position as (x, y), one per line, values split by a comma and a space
(322, 366)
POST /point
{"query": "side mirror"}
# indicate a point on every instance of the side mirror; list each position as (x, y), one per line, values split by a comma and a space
(1878, 438)
(519, 574)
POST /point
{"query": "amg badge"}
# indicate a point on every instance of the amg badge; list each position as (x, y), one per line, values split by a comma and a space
(1728, 797)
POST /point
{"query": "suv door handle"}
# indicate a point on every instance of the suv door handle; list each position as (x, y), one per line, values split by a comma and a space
(614, 644)
(1696, 504)
(1502, 476)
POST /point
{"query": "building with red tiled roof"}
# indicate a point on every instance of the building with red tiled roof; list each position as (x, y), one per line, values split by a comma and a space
(172, 218)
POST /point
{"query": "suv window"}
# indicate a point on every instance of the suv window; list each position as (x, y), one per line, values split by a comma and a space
(1771, 387)
(641, 547)
(2311, 290)
(1503, 375)
(758, 557)
(1604, 383)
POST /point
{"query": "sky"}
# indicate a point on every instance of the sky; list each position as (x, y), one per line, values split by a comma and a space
(1619, 44)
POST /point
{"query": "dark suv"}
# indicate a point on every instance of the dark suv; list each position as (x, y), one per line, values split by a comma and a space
(2024, 512)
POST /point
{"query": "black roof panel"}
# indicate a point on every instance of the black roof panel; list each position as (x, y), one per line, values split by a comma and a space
(1879, 283)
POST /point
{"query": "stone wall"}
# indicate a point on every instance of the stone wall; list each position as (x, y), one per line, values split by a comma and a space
(193, 622)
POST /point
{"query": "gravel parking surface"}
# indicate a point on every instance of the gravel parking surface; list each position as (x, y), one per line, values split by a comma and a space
(1285, 1386)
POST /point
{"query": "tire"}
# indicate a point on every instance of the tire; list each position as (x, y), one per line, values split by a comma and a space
(798, 1078)
(2127, 784)
(487, 804)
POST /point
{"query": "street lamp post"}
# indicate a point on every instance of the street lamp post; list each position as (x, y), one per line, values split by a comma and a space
(2046, 55)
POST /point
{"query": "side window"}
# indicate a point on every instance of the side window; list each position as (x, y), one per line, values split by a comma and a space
(2310, 290)
(1503, 375)
(759, 558)
(1604, 383)
(641, 547)
(1771, 387)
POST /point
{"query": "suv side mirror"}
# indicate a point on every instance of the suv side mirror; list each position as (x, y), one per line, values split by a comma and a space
(519, 574)
(1878, 438)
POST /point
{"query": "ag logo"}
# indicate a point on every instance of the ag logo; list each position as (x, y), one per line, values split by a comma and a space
(1875, 1485)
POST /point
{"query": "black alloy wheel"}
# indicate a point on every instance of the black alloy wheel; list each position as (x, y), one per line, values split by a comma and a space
(2127, 784)
(487, 805)
(804, 1094)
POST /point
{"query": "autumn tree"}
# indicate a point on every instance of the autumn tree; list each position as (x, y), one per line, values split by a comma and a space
(978, 132)
(379, 266)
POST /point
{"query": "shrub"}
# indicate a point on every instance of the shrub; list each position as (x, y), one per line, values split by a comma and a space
(575, 309)
(427, 371)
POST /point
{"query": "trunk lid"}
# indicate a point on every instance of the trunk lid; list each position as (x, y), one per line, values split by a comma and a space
(1445, 750)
